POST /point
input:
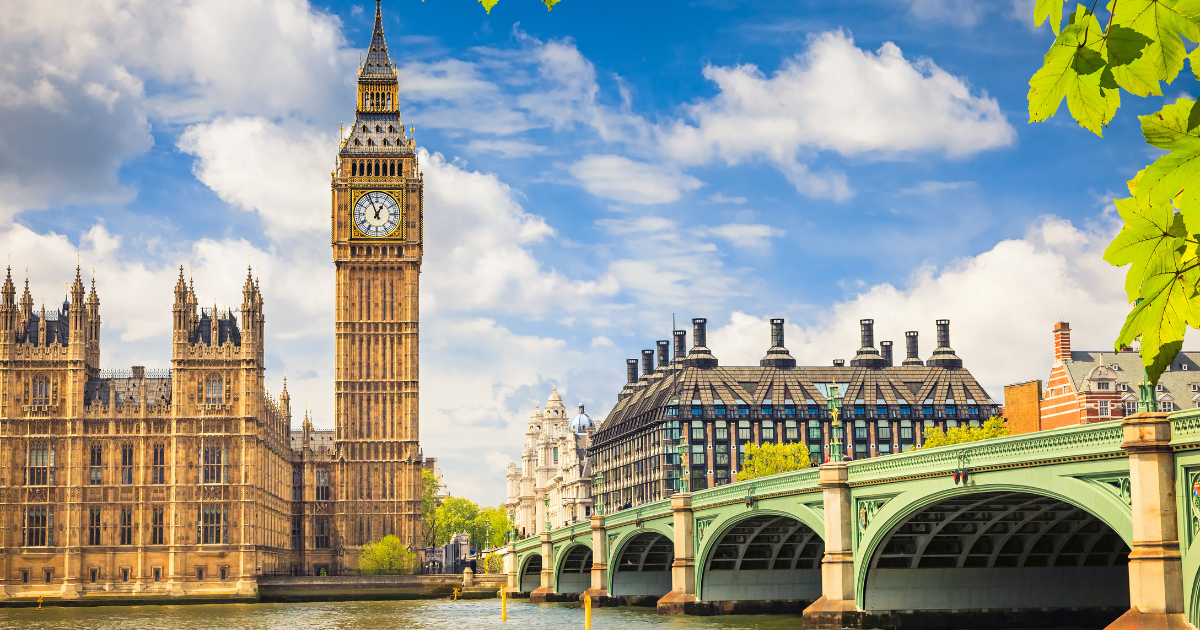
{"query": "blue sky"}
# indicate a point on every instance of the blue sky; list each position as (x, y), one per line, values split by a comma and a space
(590, 172)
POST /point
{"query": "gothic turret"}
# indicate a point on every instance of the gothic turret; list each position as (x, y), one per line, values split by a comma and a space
(8, 308)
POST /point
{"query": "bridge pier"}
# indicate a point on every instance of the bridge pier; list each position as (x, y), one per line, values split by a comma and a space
(539, 594)
(836, 607)
(513, 585)
(683, 570)
(599, 589)
(1155, 564)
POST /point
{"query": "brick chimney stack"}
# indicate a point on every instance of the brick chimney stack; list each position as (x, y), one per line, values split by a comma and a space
(1062, 342)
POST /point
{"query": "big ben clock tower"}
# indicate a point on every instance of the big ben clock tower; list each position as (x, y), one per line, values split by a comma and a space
(377, 248)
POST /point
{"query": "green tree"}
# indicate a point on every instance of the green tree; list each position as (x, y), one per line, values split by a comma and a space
(387, 556)
(429, 507)
(454, 515)
(771, 459)
(992, 427)
(491, 563)
(1140, 46)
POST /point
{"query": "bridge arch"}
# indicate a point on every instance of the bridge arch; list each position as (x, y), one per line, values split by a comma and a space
(761, 555)
(574, 571)
(640, 565)
(996, 548)
(530, 576)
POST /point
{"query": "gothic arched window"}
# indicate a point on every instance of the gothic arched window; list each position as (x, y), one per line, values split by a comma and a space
(214, 391)
(41, 390)
(378, 129)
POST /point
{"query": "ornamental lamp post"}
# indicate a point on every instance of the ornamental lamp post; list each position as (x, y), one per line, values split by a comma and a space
(685, 477)
(597, 494)
(834, 404)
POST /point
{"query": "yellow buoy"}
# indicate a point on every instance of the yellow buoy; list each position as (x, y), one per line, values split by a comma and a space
(587, 612)
(503, 605)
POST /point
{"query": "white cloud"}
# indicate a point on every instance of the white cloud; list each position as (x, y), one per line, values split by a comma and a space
(934, 187)
(278, 171)
(721, 198)
(836, 97)
(754, 235)
(507, 148)
(601, 341)
(622, 179)
(1002, 305)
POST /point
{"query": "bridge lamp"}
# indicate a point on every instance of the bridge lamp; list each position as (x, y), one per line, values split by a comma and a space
(834, 404)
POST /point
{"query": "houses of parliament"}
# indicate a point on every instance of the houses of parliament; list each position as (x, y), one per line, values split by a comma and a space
(191, 481)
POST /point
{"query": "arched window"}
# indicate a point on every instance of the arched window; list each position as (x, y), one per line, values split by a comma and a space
(127, 464)
(357, 143)
(370, 142)
(378, 129)
(353, 169)
(95, 465)
(391, 129)
(365, 129)
(385, 142)
(214, 391)
(41, 390)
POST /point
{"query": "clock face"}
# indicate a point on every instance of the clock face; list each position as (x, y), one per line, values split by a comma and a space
(377, 214)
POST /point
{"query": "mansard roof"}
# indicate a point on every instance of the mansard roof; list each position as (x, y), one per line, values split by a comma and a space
(377, 134)
(806, 385)
(1179, 379)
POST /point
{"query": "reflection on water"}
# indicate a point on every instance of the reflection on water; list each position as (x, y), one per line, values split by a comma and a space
(468, 615)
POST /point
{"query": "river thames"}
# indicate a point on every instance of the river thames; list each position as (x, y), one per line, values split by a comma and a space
(368, 615)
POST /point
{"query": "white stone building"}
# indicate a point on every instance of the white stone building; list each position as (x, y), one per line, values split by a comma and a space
(553, 486)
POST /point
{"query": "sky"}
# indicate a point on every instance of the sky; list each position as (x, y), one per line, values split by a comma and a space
(592, 174)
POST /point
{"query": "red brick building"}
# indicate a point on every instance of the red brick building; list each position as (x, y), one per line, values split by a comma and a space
(1096, 386)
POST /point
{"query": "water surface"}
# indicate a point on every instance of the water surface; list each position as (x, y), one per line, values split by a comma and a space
(418, 615)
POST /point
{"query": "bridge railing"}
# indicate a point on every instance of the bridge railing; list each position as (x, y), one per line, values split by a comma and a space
(1087, 441)
(1185, 427)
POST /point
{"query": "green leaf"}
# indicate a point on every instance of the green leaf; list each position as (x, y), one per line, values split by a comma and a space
(1164, 313)
(1194, 59)
(550, 3)
(1123, 46)
(1048, 9)
(487, 5)
(1149, 235)
(1173, 128)
(1162, 21)
(1075, 68)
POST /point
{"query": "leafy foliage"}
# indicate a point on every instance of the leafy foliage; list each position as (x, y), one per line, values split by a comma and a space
(488, 4)
(487, 526)
(429, 506)
(991, 428)
(772, 459)
(1140, 46)
(387, 556)
(491, 563)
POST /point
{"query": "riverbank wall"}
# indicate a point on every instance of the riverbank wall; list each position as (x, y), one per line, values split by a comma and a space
(262, 589)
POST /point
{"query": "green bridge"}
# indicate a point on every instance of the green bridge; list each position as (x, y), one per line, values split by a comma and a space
(1077, 526)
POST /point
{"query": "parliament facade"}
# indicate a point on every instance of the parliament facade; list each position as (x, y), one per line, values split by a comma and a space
(190, 481)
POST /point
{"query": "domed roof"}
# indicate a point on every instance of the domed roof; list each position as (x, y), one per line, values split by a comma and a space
(581, 423)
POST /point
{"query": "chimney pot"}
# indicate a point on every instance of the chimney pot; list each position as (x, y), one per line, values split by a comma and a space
(700, 355)
(885, 348)
(943, 333)
(1062, 342)
(647, 362)
(839, 363)
(631, 370)
(911, 350)
(777, 355)
(680, 344)
(699, 332)
(664, 353)
(867, 332)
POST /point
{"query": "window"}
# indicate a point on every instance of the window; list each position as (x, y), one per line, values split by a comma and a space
(697, 431)
(1130, 407)
(814, 430)
(790, 431)
(41, 391)
(905, 410)
(321, 540)
(766, 410)
(126, 529)
(672, 411)
(94, 527)
(885, 448)
(719, 410)
(881, 411)
(768, 431)
(39, 527)
(554, 454)
(697, 410)
(884, 432)
(213, 456)
(744, 430)
(951, 410)
(297, 528)
(1102, 385)
(39, 462)
(95, 467)
(127, 464)
(156, 526)
(1166, 406)
(297, 484)
(927, 410)
(743, 410)
(158, 471)
(722, 429)
(322, 484)
(157, 574)
(974, 411)
(212, 525)
(906, 430)
(860, 410)
(1103, 408)
(860, 430)
(697, 454)
(214, 391)
(721, 454)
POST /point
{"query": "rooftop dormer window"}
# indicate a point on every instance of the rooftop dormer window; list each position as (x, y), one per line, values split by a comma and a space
(1102, 385)
(378, 129)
